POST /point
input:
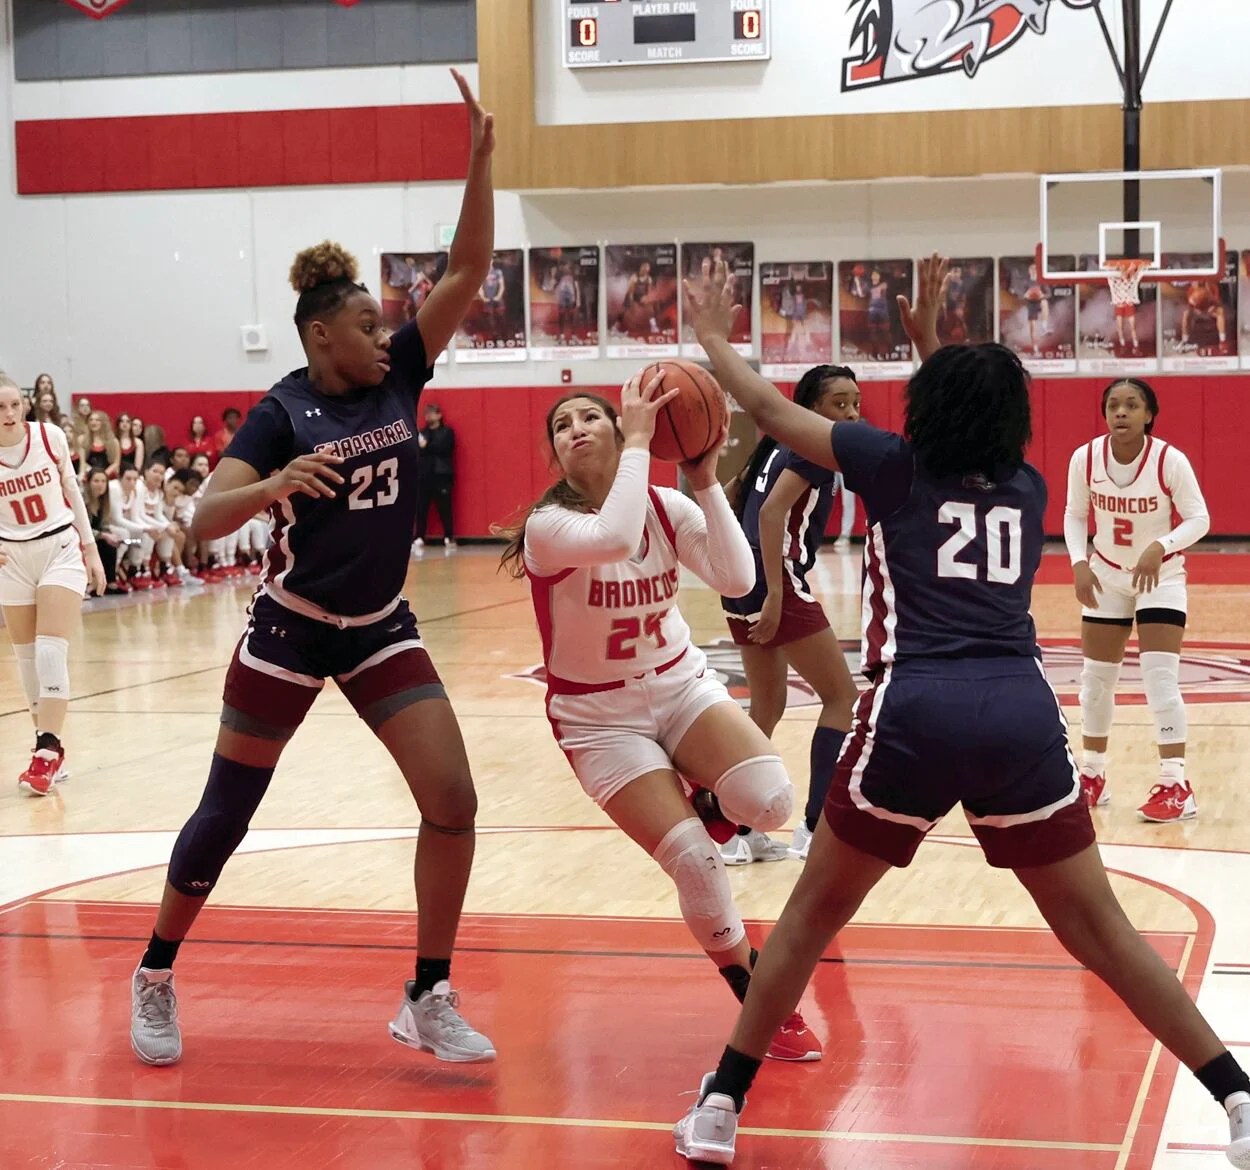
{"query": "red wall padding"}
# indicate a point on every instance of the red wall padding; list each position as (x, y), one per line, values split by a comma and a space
(502, 462)
(277, 148)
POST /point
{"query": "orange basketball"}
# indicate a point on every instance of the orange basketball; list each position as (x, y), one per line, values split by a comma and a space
(688, 426)
(1034, 293)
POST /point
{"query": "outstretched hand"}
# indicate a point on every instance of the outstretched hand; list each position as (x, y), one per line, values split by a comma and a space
(920, 321)
(481, 124)
(710, 309)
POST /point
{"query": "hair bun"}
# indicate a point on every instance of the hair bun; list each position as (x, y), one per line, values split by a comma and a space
(323, 263)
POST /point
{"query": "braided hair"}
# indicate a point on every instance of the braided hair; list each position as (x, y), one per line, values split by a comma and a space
(808, 393)
(967, 411)
(325, 276)
(1144, 388)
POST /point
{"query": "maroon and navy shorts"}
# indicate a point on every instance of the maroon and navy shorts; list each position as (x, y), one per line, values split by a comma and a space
(987, 733)
(284, 658)
(801, 613)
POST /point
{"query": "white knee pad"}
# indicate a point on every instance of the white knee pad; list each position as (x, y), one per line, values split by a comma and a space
(756, 793)
(1160, 674)
(27, 672)
(52, 663)
(1098, 681)
(690, 857)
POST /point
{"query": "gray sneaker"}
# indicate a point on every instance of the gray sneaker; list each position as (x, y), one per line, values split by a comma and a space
(708, 1132)
(154, 1032)
(752, 846)
(433, 1024)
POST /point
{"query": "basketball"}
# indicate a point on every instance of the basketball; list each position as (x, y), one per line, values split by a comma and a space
(1034, 293)
(689, 425)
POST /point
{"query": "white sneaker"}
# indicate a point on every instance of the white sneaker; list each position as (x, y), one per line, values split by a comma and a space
(707, 1132)
(154, 1032)
(801, 841)
(418, 545)
(1238, 1106)
(450, 544)
(754, 846)
(432, 1024)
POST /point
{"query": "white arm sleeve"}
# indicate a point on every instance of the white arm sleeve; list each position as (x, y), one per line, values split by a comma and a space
(1187, 499)
(122, 523)
(71, 488)
(1076, 512)
(558, 539)
(710, 541)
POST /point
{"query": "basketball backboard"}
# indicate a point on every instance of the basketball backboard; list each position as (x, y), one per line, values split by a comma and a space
(1172, 211)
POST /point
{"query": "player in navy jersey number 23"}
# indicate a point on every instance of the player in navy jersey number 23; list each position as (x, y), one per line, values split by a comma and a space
(958, 710)
(331, 453)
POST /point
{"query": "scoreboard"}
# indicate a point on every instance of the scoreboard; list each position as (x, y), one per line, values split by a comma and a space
(664, 32)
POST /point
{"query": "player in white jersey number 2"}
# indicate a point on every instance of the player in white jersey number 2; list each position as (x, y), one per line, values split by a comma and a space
(48, 557)
(629, 697)
(1133, 482)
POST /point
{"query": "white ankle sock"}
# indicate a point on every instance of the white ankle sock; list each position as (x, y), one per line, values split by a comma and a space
(1095, 764)
(1172, 771)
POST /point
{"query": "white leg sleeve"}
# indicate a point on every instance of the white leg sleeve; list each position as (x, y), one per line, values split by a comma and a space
(756, 792)
(690, 857)
(1098, 681)
(28, 674)
(1160, 674)
(52, 662)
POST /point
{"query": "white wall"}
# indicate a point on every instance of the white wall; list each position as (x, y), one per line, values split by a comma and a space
(148, 291)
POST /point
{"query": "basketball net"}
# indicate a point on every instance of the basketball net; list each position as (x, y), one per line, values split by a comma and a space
(1125, 280)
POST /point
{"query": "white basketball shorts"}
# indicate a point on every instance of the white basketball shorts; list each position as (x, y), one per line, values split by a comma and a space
(1119, 600)
(31, 564)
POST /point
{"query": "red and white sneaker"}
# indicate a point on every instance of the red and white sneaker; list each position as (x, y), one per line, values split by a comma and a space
(46, 768)
(1169, 802)
(1094, 789)
(794, 1041)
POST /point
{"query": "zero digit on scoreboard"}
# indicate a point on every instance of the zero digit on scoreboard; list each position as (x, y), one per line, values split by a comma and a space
(665, 32)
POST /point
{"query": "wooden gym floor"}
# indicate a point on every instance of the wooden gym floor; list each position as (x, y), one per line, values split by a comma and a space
(958, 1036)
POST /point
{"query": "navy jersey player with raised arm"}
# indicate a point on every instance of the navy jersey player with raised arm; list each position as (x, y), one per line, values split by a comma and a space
(331, 454)
(958, 710)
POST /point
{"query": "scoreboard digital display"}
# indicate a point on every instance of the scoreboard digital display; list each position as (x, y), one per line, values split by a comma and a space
(600, 33)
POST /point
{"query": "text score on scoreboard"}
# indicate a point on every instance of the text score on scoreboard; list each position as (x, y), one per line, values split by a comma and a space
(600, 33)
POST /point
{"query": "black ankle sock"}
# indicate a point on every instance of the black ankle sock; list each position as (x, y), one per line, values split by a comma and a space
(430, 972)
(734, 1075)
(1222, 1077)
(46, 741)
(160, 954)
(739, 978)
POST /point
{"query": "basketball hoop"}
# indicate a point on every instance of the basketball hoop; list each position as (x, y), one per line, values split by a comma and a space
(1125, 279)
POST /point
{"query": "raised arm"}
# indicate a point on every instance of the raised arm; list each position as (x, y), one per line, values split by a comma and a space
(711, 311)
(920, 321)
(471, 249)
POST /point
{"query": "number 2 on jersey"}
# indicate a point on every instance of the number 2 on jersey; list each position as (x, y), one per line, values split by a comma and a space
(627, 632)
(386, 475)
(1122, 531)
(1002, 543)
(29, 510)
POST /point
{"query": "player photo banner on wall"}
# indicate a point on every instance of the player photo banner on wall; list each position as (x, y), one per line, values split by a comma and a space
(494, 330)
(1035, 320)
(407, 279)
(642, 300)
(564, 303)
(1199, 316)
(873, 341)
(966, 316)
(796, 317)
(719, 262)
(1115, 339)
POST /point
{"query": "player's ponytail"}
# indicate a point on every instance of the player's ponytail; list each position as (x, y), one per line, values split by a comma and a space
(324, 276)
(1144, 388)
(560, 494)
(806, 394)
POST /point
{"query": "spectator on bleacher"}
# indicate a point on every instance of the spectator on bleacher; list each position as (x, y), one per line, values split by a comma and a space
(230, 420)
(175, 565)
(201, 465)
(109, 537)
(46, 408)
(28, 404)
(179, 460)
(75, 444)
(101, 450)
(146, 510)
(131, 448)
(154, 446)
(82, 417)
(435, 474)
(201, 442)
(184, 513)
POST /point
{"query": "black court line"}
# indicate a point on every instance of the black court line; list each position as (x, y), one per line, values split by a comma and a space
(409, 948)
(155, 682)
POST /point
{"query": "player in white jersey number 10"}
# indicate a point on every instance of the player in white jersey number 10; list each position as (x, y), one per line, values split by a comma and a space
(629, 696)
(48, 558)
(1134, 483)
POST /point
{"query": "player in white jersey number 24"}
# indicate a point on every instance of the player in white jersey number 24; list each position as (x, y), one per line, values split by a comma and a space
(1134, 482)
(48, 557)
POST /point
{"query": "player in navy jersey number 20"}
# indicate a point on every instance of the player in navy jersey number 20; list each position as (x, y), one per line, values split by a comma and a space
(958, 710)
(331, 452)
